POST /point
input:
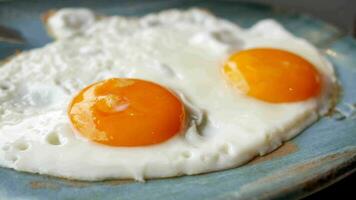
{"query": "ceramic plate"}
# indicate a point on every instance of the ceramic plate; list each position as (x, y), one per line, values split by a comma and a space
(321, 155)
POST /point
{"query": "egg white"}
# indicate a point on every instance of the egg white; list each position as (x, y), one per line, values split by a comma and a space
(181, 50)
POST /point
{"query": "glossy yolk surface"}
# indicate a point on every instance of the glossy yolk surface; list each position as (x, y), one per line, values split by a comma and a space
(273, 75)
(126, 112)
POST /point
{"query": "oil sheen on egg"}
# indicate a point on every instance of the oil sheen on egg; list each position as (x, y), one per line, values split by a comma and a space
(181, 51)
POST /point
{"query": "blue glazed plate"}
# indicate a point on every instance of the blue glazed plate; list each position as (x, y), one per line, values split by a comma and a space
(321, 155)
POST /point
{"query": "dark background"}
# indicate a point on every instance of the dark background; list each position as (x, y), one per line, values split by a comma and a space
(340, 13)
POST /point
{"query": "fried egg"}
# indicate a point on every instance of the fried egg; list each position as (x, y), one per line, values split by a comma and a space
(173, 93)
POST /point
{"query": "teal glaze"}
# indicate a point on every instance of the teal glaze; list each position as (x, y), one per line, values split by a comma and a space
(325, 151)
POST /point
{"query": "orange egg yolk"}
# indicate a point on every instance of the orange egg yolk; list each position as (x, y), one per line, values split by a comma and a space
(272, 75)
(126, 112)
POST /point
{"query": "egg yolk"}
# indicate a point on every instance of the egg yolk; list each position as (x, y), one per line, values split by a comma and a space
(272, 75)
(126, 112)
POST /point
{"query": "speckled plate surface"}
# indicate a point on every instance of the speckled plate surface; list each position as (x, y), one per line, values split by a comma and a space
(321, 155)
